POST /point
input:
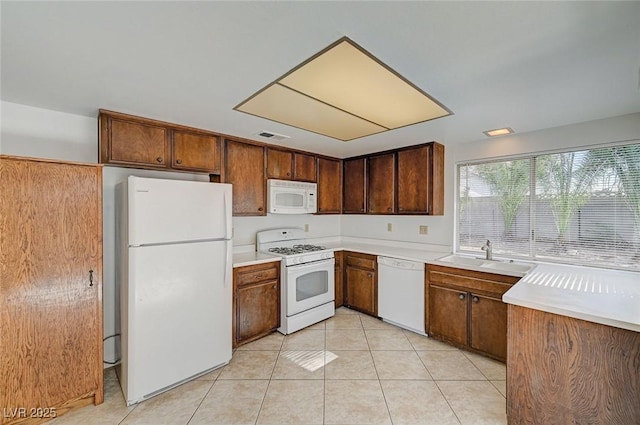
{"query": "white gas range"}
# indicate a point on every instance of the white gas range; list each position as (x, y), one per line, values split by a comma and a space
(307, 278)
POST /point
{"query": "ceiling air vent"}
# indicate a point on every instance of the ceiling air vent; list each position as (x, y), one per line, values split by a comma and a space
(272, 135)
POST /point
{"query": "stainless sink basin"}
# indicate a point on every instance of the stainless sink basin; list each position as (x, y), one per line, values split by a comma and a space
(492, 266)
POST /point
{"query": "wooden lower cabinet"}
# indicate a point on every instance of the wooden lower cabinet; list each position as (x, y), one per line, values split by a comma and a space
(465, 308)
(256, 301)
(448, 314)
(339, 281)
(562, 370)
(361, 282)
(51, 333)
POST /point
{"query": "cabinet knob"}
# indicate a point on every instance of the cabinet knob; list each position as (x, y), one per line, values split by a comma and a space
(179, 161)
(319, 209)
(260, 208)
(400, 209)
(369, 275)
(461, 296)
(361, 209)
(288, 174)
(389, 209)
(159, 159)
(475, 299)
(90, 277)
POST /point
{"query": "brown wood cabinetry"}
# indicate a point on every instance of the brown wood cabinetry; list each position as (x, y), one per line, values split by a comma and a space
(50, 287)
(304, 167)
(420, 172)
(279, 164)
(131, 141)
(256, 301)
(381, 183)
(195, 152)
(562, 370)
(401, 181)
(465, 308)
(329, 186)
(361, 282)
(354, 188)
(339, 281)
(244, 168)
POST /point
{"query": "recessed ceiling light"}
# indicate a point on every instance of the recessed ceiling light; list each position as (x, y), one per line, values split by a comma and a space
(498, 132)
(343, 92)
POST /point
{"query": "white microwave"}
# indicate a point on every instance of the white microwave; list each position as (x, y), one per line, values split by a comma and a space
(289, 197)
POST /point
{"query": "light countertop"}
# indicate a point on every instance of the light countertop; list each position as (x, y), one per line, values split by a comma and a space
(608, 297)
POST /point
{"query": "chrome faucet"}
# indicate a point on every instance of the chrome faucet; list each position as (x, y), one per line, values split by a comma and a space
(487, 248)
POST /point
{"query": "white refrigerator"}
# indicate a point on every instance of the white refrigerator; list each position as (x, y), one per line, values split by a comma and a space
(173, 261)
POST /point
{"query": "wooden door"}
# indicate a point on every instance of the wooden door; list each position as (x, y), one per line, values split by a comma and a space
(195, 152)
(381, 184)
(304, 167)
(414, 180)
(448, 314)
(244, 168)
(50, 284)
(279, 164)
(257, 307)
(360, 287)
(354, 189)
(339, 282)
(329, 186)
(488, 326)
(136, 143)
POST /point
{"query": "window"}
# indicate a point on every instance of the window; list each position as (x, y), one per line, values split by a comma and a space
(580, 207)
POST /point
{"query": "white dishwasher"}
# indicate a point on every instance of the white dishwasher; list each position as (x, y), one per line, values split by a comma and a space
(401, 293)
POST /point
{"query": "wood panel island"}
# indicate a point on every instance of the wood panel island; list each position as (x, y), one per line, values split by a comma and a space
(573, 350)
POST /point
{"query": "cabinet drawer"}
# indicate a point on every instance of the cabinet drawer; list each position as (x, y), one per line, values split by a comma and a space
(365, 263)
(478, 282)
(253, 276)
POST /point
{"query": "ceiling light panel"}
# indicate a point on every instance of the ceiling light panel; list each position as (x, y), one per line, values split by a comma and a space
(345, 93)
(498, 132)
(349, 79)
(283, 105)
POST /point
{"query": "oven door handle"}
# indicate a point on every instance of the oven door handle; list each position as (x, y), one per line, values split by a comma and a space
(312, 264)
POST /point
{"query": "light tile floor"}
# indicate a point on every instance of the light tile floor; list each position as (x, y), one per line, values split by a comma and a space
(349, 369)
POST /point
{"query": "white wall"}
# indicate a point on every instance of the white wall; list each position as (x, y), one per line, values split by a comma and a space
(245, 228)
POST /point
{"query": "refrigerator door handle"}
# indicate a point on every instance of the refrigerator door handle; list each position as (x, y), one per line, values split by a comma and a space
(227, 263)
(227, 223)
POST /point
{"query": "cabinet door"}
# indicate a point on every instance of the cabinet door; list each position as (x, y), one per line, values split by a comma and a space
(304, 167)
(244, 168)
(136, 143)
(279, 164)
(257, 310)
(448, 314)
(195, 152)
(414, 180)
(488, 323)
(329, 186)
(361, 290)
(50, 284)
(354, 193)
(381, 184)
(339, 287)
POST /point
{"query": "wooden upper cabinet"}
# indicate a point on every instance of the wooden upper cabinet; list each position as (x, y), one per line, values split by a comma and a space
(329, 186)
(304, 167)
(244, 168)
(354, 189)
(381, 183)
(421, 180)
(198, 152)
(133, 143)
(130, 141)
(279, 164)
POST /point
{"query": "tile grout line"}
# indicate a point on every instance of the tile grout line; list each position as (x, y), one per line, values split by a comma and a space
(264, 397)
(201, 401)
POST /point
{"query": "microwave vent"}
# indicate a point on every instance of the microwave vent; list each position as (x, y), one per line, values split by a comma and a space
(272, 135)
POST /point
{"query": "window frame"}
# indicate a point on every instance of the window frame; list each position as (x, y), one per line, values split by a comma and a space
(532, 157)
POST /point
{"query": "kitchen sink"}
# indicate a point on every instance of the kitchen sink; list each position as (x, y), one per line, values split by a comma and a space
(462, 260)
(492, 266)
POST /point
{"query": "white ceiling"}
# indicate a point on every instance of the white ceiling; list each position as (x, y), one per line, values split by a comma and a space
(526, 65)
